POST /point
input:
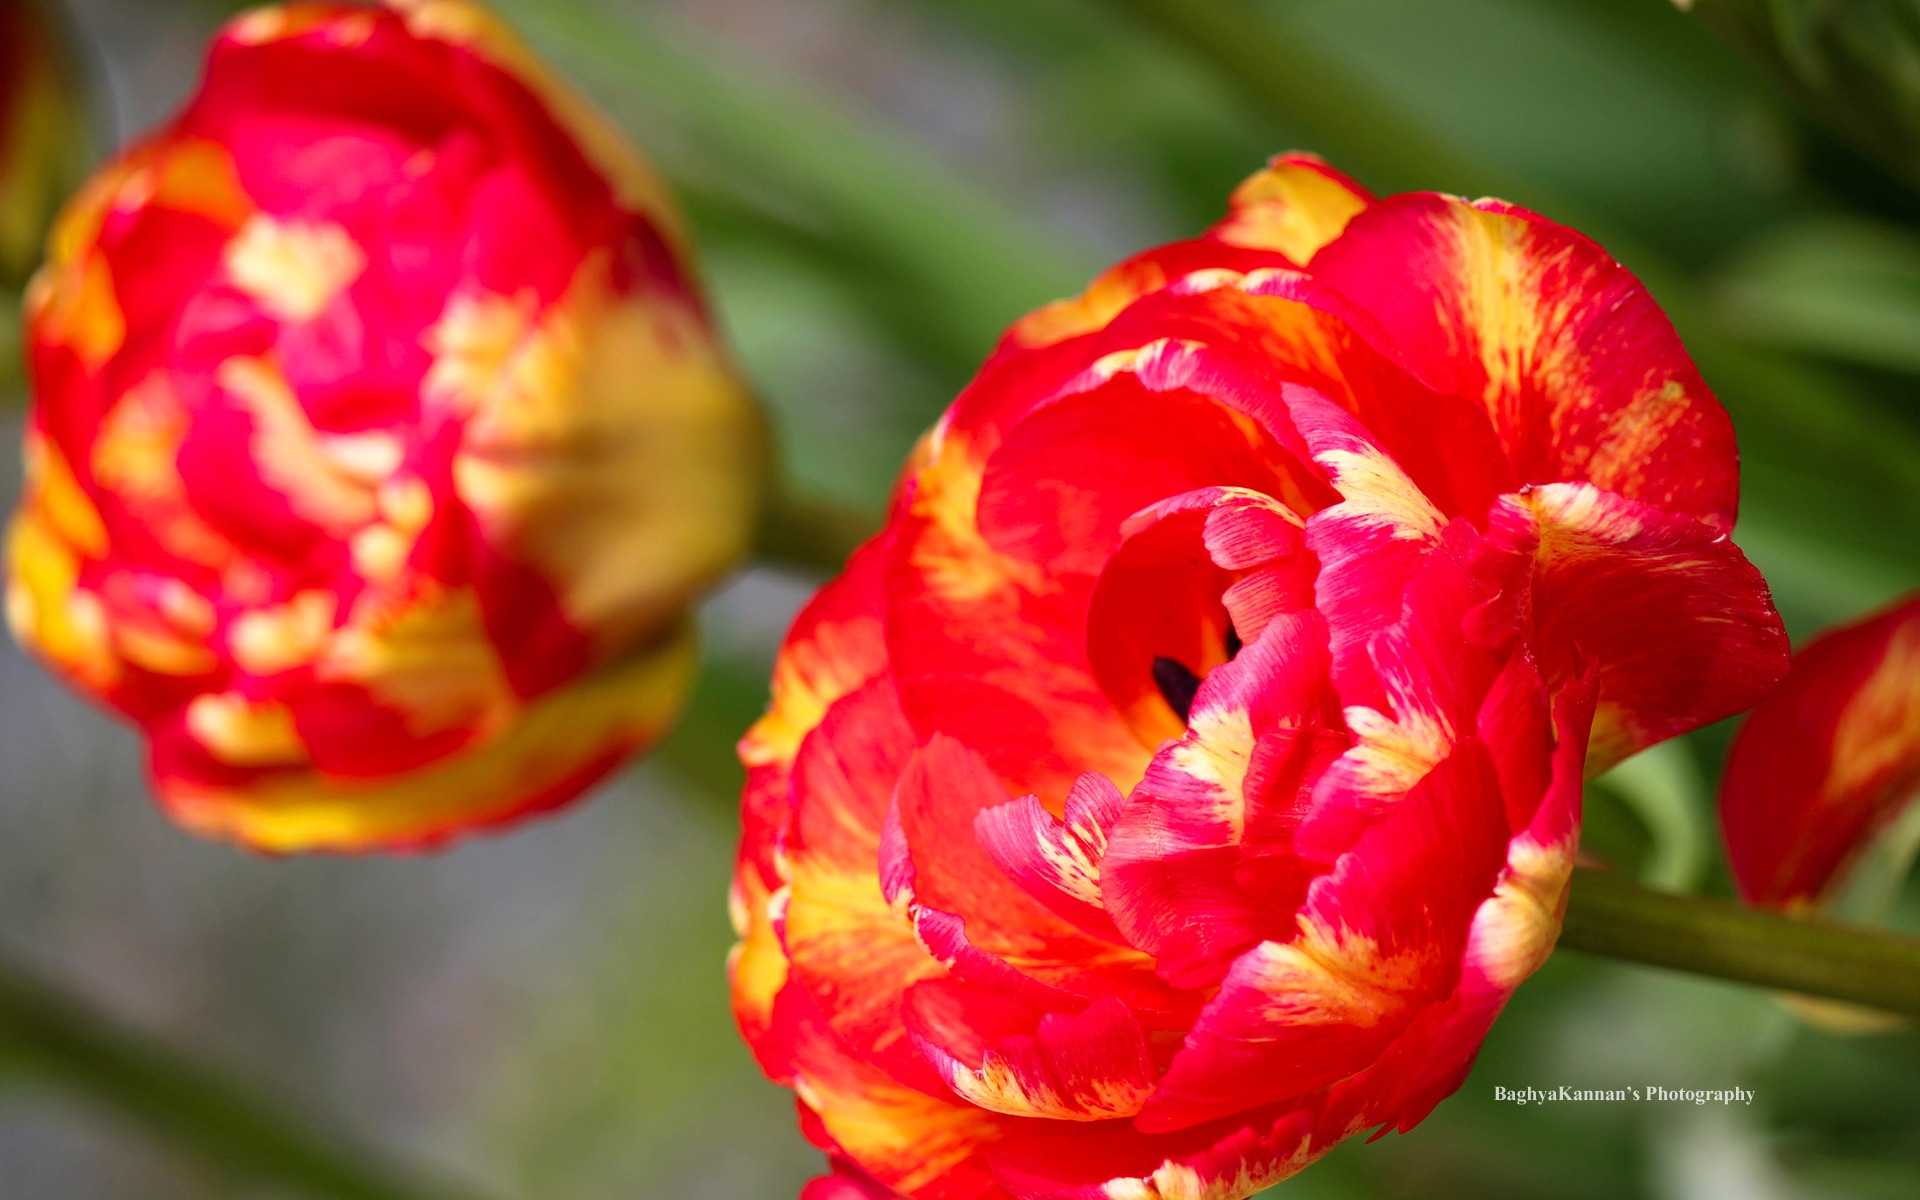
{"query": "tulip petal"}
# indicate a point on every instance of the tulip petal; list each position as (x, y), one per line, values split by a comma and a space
(854, 955)
(1223, 1160)
(1512, 934)
(1057, 861)
(923, 1144)
(985, 649)
(1429, 684)
(1369, 544)
(1165, 596)
(1092, 1065)
(942, 792)
(1679, 623)
(1579, 370)
(1379, 937)
(1295, 205)
(1827, 760)
(554, 750)
(1168, 877)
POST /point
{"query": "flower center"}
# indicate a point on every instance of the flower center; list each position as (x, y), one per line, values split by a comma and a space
(1179, 684)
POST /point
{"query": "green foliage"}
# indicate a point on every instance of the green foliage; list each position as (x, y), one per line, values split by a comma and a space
(1855, 63)
(1844, 287)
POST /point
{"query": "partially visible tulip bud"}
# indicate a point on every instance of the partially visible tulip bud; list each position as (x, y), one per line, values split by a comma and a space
(381, 440)
(1826, 763)
(42, 132)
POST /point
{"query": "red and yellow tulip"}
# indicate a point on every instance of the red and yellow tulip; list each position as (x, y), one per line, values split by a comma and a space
(1186, 776)
(1826, 762)
(380, 438)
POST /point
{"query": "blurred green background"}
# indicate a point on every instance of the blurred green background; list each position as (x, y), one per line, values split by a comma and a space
(880, 186)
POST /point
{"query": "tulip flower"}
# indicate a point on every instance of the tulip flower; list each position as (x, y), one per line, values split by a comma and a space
(1827, 763)
(380, 439)
(1189, 772)
(42, 132)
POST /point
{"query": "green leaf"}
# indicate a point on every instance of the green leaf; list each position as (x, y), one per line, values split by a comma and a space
(1844, 287)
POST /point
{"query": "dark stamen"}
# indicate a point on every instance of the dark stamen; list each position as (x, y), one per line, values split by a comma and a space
(1176, 683)
(1234, 644)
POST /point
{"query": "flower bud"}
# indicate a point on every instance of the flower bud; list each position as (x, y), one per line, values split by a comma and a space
(43, 134)
(1827, 763)
(381, 440)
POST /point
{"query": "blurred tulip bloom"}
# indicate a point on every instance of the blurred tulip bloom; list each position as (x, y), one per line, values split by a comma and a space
(1187, 775)
(43, 132)
(1827, 762)
(380, 438)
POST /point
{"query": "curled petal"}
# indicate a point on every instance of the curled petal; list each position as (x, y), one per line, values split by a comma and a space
(1168, 878)
(1092, 1065)
(958, 895)
(1057, 861)
(1369, 544)
(1379, 937)
(1827, 760)
(1678, 622)
(1194, 575)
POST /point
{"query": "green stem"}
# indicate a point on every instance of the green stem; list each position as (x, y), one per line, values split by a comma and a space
(55, 1040)
(810, 534)
(1612, 916)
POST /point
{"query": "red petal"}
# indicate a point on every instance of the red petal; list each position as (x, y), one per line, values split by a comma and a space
(1381, 937)
(941, 794)
(1827, 760)
(1512, 934)
(917, 1143)
(1430, 683)
(1224, 1160)
(1678, 622)
(1369, 544)
(1168, 877)
(1087, 1066)
(1579, 370)
(854, 955)
(1056, 861)
(847, 1182)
